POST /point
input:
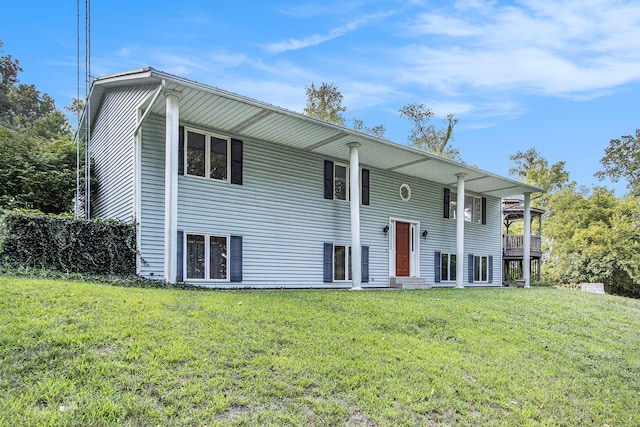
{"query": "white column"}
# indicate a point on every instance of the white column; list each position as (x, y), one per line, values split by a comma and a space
(354, 189)
(526, 257)
(171, 187)
(460, 232)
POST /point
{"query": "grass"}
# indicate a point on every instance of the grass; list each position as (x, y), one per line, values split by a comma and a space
(91, 354)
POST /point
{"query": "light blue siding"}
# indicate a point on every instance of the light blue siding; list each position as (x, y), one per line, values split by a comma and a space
(151, 225)
(284, 219)
(112, 149)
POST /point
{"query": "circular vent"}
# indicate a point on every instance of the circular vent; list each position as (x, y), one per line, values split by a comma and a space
(405, 192)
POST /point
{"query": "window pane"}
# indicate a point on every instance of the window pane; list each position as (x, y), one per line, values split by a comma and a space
(349, 262)
(195, 153)
(453, 203)
(485, 276)
(217, 258)
(218, 158)
(339, 268)
(452, 271)
(340, 182)
(195, 256)
(444, 267)
(477, 209)
(476, 269)
(468, 208)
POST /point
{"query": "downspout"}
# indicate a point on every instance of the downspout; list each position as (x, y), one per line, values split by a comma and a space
(137, 167)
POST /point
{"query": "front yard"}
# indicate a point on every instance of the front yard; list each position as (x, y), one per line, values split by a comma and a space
(90, 354)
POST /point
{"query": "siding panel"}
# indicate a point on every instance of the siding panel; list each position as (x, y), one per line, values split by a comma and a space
(152, 199)
(112, 149)
(284, 220)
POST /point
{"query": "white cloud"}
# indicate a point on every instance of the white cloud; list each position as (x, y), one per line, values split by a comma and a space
(560, 48)
(316, 39)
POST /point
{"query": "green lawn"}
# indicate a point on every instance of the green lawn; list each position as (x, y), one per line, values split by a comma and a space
(91, 354)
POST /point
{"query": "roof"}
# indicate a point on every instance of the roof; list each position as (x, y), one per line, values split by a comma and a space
(513, 209)
(225, 111)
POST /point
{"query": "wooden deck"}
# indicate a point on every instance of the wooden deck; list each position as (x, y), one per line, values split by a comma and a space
(513, 246)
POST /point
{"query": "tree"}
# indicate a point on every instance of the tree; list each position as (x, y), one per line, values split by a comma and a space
(24, 108)
(325, 103)
(534, 169)
(378, 131)
(9, 70)
(622, 161)
(589, 235)
(36, 173)
(38, 161)
(425, 136)
(593, 237)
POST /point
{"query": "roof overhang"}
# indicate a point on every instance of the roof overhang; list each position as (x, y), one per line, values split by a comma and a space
(240, 116)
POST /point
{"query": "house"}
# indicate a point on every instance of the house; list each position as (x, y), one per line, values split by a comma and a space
(228, 191)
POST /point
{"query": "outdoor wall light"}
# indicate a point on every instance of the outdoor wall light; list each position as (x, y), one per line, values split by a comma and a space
(425, 233)
(386, 229)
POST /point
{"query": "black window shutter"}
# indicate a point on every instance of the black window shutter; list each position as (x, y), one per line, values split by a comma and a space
(437, 265)
(470, 269)
(236, 259)
(365, 187)
(446, 202)
(180, 273)
(490, 267)
(484, 210)
(328, 262)
(364, 255)
(328, 179)
(236, 161)
(181, 150)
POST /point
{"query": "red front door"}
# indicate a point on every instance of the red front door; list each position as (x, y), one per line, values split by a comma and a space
(403, 248)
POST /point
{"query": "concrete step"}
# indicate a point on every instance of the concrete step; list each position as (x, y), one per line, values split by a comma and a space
(409, 283)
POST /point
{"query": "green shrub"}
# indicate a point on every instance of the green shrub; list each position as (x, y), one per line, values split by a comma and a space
(32, 239)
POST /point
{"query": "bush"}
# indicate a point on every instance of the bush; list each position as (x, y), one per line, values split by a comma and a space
(32, 239)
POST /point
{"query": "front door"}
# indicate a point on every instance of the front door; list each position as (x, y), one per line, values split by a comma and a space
(403, 249)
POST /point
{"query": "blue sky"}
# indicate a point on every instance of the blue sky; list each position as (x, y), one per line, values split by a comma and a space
(560, 76)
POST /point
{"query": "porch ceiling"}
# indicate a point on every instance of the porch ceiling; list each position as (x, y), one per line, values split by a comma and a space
(227, 112)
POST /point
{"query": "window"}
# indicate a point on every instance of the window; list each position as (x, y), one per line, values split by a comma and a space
(481, 268)
(336, 182)
(448, 267)
(206, 257)
(341, 182)
(474, 207)
(337, 263)
(341, 262)
(206, 154)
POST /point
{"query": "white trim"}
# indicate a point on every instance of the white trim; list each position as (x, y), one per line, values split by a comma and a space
(347, 259)
(207, 153)
(449, 255)
(408, 192)
(526, 256)
(476, 215)
(414, 242)
(480, 271)
(171, 186)
(137, 192)
(207, 255)
(348, 184)
(354, 207)
(460, 192)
